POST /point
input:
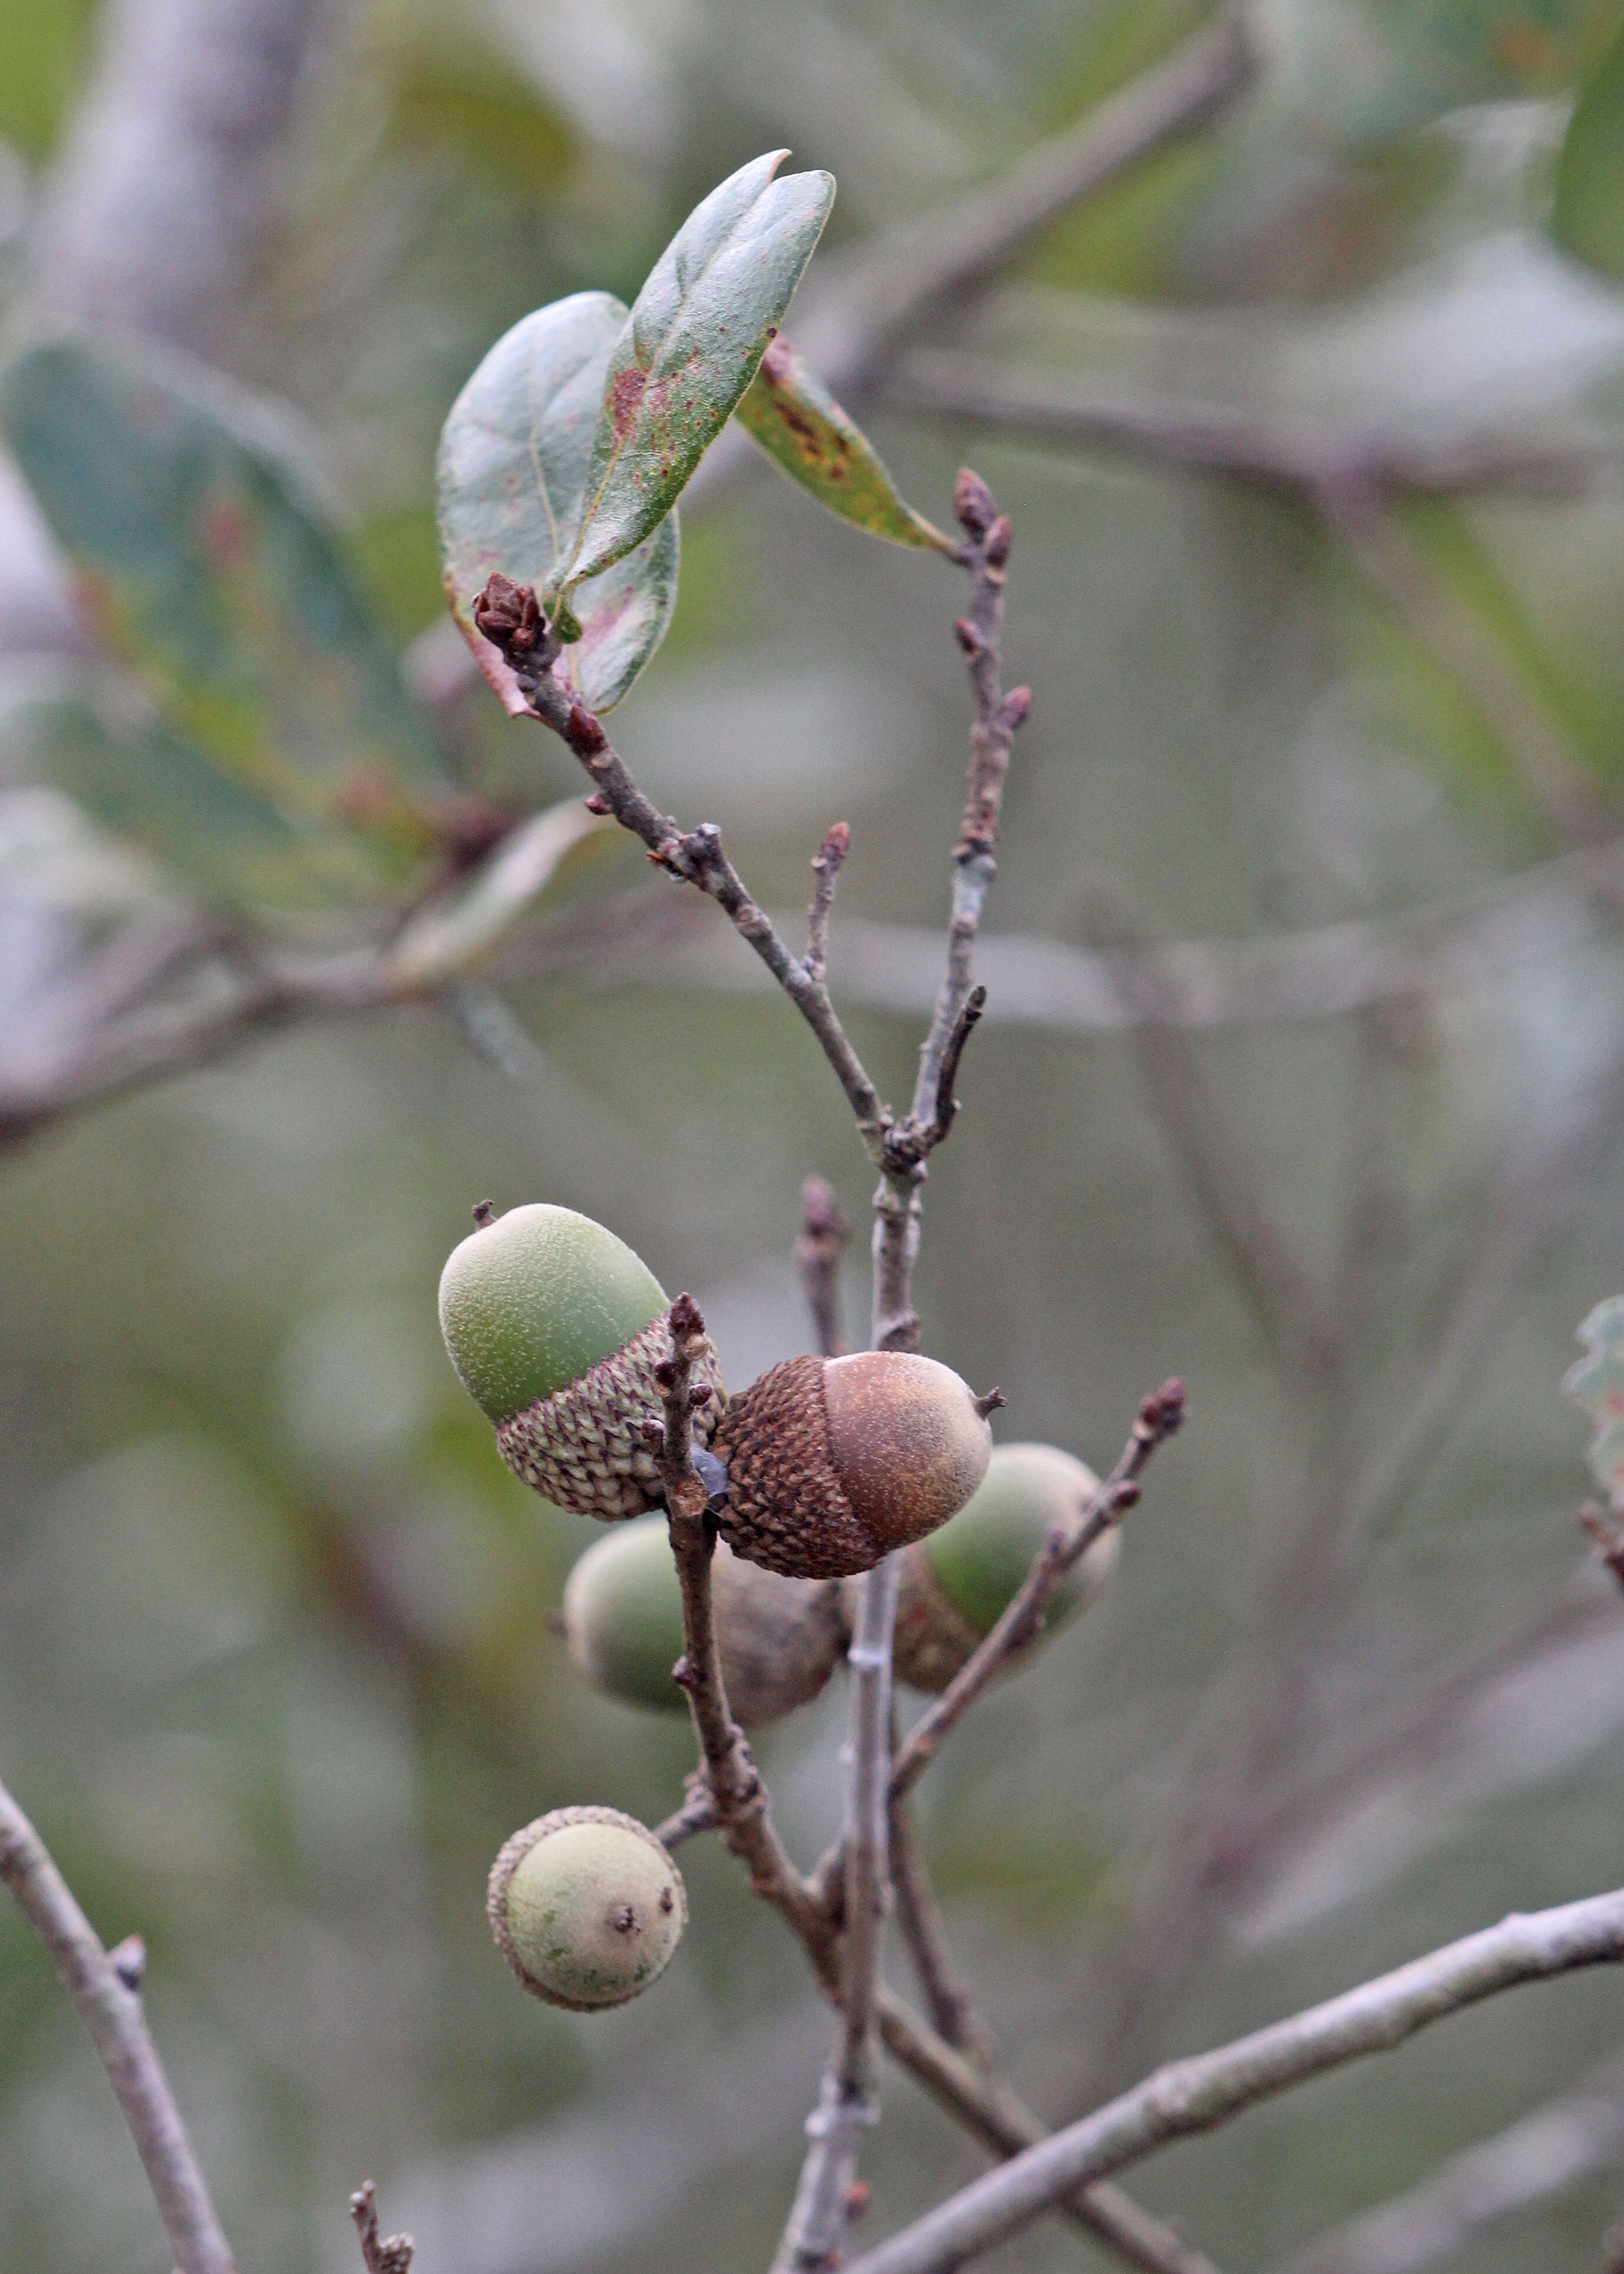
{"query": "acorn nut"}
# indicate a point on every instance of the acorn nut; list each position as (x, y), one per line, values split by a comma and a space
(587, 1907)
(555, 1328)
(832, 1463)
(957, 1585)
(779, 1640)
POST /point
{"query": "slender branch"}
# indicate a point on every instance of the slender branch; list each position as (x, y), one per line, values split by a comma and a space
(948, 1998)
(1470, 653)
(824, 1234)
(1197, 2094)
(826, 867)
(385, 2254)
(1260, 445)
(853, 312)
(847, 2105)
(111, 2011)
(1001, 2120)
(907, 1145)
(508, 615)
(1159, 1416)
(1566, 2141)
(738, 1797)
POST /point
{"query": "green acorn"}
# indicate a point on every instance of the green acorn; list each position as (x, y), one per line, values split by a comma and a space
(556, 1327)
(587, 1907)
(957, 1585)
(832, 1463)
(779, 1640)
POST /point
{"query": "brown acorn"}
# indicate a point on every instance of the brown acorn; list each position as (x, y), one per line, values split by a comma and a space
(832, 1463)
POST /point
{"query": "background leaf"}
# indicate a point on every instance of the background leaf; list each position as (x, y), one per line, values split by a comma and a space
(209, 569)
(151, 789)
(696, 331)
(1589, 215)
(1595, 1385)
(513, 464)
(787, 408)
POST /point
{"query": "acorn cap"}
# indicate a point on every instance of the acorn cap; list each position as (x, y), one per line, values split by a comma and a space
(533, 1299)
(779, 1640)
(586, 1907)
(834, 1462)
(556, 1327)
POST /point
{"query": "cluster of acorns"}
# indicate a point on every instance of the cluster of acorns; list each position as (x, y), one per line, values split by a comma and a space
(556, 1329)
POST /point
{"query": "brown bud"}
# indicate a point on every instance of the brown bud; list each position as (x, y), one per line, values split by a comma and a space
(1014, 708)
(996, 545)
(509, 615)
(973, 502)
(586, 737)
(832, 1463)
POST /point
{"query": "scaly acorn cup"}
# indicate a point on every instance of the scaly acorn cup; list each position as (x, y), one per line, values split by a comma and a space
(832, 1463)
(957, 1585)
(587, 1907)
(779, 1640)
(556, 1328)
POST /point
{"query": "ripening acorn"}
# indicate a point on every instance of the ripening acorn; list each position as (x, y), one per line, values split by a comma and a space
(957, 1585)
(832, 1463)
(587, 1907)
(779, 1640)
(556, 1327)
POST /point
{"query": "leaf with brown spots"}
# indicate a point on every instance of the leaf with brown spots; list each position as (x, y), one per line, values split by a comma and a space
(512, 467)
(203, 557)
(690, 349)
(787, 408)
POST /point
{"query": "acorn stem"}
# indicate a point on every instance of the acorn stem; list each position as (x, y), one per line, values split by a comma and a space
(737, 1796)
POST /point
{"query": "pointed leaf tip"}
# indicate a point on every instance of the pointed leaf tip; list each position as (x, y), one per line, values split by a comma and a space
(691, 346)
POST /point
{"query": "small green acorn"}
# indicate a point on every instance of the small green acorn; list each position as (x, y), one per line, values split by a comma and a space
(957, 1585)
(586, 1907)
(832, 1463)
(779, 1640)
(555, 1328)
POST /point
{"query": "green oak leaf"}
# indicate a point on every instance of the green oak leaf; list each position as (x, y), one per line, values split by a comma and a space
(206, 562)
(1587, 217)
(1597, 1386)
(690, 347)
(513, 466)
(787, 408)
(121, 765)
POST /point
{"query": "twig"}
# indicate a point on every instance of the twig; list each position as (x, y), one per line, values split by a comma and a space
(1462, 642)
(1580, 2133)
(826, 867)
(697, 1814)
(508, 615)
(1001, 2120)
(1259, 445)
(111, 2011)
(1160, 1415)
(947, 1998)
(824, 1234)
(995, 717)
(847, 2105)
(737, 1794)
(853, 311)
(387, 2254)
(1195, 2095)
